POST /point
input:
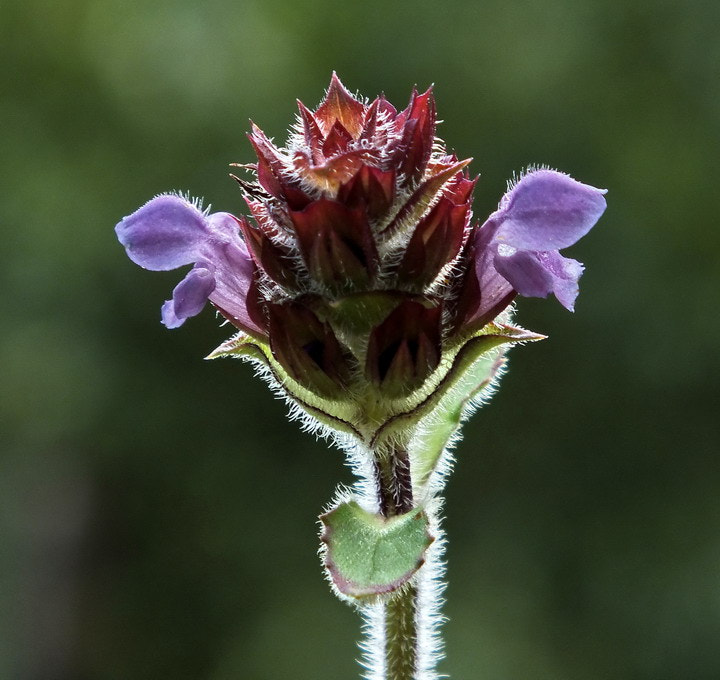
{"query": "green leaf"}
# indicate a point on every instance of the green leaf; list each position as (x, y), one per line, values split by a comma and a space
(368, 554)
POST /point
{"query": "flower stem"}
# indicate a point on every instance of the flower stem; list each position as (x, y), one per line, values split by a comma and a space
(401, 636)
(394, 486)
(395, 496)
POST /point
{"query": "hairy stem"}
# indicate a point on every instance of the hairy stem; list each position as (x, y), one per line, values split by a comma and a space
(401, 636)
(394, 486)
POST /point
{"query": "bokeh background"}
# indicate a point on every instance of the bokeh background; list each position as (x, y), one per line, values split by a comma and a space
(158, 512)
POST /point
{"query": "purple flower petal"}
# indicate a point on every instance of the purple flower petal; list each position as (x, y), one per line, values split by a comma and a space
(166, 233)
(537, 274)
(495, 292)
(224, 226)
(169, 232)
(547, 210)
(189, 296)
(234, 270)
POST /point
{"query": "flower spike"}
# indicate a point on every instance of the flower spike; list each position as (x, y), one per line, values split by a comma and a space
(366, 202)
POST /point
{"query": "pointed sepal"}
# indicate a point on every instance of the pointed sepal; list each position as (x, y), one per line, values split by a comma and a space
(337, 140)
(269, 257)
(435, 242)
(272, 171)
(336, 244)
(330, 173)
(311, 131)
(422, 198)
(372, 188)
(340, 105)
(308, 349)
(404, 349)
(418, 137)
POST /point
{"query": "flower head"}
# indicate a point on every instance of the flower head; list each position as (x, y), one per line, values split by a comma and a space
(359, 263)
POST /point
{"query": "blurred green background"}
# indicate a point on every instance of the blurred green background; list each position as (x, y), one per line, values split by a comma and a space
(158, 512)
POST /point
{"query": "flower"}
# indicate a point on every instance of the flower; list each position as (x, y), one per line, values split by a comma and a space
(516, 250)
(169, 232)
(359, 262)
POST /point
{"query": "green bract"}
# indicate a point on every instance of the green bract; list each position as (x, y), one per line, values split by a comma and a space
(375, 419)
(367, 555)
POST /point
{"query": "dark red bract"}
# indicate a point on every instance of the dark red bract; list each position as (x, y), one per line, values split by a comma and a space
(362, 199)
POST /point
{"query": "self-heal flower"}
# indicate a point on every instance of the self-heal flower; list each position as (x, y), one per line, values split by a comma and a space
(544, 212)
(368, 296)
(515, 252)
